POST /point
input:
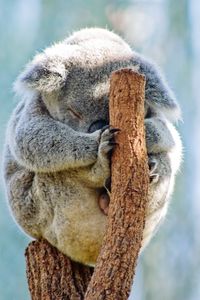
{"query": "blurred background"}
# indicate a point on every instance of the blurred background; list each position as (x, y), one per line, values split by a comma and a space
(167, 31)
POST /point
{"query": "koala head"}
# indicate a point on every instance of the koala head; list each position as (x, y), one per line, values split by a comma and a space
(72, 77)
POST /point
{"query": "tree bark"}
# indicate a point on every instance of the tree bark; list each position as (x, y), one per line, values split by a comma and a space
(115, 268)
(53, 276)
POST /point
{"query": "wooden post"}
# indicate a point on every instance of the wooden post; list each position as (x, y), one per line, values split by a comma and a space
(51, 275)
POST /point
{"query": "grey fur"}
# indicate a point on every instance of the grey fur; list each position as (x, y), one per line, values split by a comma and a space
(56, 158)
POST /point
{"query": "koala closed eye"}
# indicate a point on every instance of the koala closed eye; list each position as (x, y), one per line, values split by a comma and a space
(75, 113)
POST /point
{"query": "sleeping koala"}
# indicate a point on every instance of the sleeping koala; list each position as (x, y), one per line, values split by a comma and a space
(56, 158)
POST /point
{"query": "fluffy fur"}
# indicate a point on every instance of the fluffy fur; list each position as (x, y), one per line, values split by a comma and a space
(56, 155)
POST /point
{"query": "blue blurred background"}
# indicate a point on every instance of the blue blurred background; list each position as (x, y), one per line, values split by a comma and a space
(167, 31)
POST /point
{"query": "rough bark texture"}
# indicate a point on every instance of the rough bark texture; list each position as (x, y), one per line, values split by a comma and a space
(53, 276)
(116, 264)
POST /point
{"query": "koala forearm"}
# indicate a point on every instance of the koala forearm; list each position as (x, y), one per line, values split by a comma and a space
(45, 145)
(159, 135)
(95, 175)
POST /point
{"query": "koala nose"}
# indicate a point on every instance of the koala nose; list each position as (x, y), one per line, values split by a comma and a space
(97, 125)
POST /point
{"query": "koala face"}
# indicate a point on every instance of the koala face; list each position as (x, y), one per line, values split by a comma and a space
(83, 101)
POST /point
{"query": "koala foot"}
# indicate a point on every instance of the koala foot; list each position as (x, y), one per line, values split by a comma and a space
(153, 170)
(103, 202)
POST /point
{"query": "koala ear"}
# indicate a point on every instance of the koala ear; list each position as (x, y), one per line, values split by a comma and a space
(43, 74)
(157, 92)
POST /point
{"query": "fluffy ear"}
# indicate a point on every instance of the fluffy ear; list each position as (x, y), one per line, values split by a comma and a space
(157, 92)
(43, 74)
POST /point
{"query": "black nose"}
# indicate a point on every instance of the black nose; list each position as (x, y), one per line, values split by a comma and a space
(97, 125)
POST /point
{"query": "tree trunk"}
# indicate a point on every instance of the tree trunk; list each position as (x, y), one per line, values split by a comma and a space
(113, 274)
(53, 276)
(50, 274)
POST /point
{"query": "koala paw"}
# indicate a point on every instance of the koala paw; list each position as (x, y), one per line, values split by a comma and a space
(107, 142)
(153, 170)
(106, 145)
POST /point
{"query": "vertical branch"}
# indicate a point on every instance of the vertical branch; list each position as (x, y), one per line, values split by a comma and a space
(116, 264)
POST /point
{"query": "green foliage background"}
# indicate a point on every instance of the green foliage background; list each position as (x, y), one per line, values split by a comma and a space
(168, 32)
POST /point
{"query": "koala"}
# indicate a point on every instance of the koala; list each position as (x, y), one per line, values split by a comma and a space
(58, 142)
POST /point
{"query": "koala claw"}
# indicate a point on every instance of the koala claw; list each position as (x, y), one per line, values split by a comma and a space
(113, 130)
(104, 128)
(153, 170)
(107, 142)
(154, 178)
(108, 184)
(112, 143)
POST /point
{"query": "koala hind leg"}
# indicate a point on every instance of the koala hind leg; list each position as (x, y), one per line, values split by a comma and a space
(22, 197)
